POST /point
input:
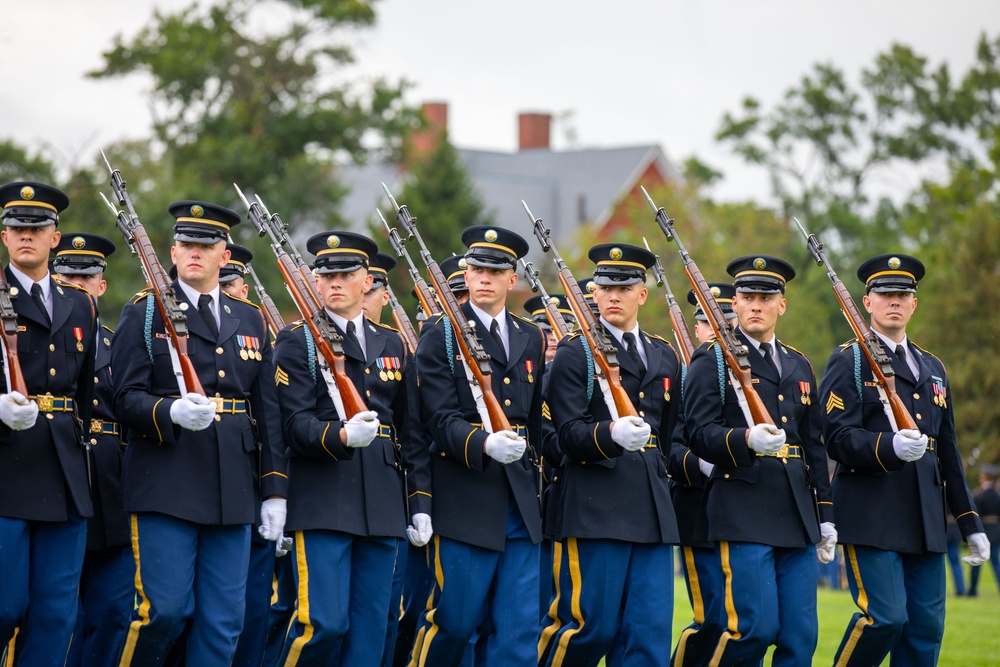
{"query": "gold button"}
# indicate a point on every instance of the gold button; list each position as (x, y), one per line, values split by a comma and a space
(222, 374)
(218, 418)
(781, 397)
(784, 420)
(95, 403)
(52, 347)
(919, 416)
(442, 455)
(506, 380)
(506, 402)
(93, 441)
(96, 379)
(218, 350)
(916, 397)
(641, 413)
(726, 475)
(48, 415)
(368, 371)
(52, 371)
(642, 394)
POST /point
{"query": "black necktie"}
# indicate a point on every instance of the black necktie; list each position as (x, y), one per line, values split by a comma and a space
(353, 337)
(901, 353)
(36, 296)
(495, 332)
(633, 352)
(765, 349)
(205, 308)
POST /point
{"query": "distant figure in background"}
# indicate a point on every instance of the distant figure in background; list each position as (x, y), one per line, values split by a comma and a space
(953, 541)
(988, 504)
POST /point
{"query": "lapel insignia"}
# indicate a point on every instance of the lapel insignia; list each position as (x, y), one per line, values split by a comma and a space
(371, 328)
(666, 389)
(834, 403)
(59, 289)
(804, 388)
(14, 291)
(107, 341)
(226, 308)
(529, 367)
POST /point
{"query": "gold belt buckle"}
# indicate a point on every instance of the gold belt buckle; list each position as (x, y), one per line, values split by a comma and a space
(783, 453)
(96, 425)
(45, 402)
(217, 402)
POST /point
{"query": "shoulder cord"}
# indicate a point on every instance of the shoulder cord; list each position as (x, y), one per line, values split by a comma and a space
(857, 369)
(590, 368)
(310, 352)
(148, 332)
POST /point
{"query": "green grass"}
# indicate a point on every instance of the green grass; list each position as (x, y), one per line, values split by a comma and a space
(971, 631)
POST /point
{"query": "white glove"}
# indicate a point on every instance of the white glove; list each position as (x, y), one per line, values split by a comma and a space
(420, 531)
(282, 546)
(909, 444)
(705, 467)
(630, 433)
(193, 412)
(827, 547)
(979, 549)
(18, 412)
(361, 429)
(272, 518)
(505, 446)
(766, 438)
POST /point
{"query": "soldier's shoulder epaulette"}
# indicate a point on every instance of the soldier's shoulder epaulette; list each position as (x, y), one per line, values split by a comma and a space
(798, 352)
(62, 283)
(712, 343)
(383, 326)
(107, 328)
(440, 317)
(573, 334)
(846, 345)
(524, 319)
(296, 325)
(139, 296)
(659, 338)
(242, 300)
(929, 354)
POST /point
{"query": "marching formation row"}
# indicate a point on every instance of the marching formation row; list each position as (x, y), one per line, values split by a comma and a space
(493, 490)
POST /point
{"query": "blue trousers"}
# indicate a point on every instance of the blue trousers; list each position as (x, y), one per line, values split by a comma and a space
(395, 602)
(282, 608)
(107, 596)
(975, 569)
(955, 564)
(705, 585)
(343, 584)
(770, 598)
(260, 579)
(474, 586)
(417, 584)
(188, 576)
(612, 598)
(40, 562)
(901, 600)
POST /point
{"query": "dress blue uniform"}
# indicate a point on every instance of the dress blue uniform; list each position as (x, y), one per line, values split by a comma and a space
(192, 494)
(699, 561)
(347, 506)
(761, 510)
(487, 520)
(45, 496)
(988, 504)
(895, 566)
(612, 561)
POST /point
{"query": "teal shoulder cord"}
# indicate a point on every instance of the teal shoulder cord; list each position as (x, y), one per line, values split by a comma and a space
(684, 374)
(722, 374)
(449, 344)
(857, 369)
(310, 352)
(590, 367)
(148, 331)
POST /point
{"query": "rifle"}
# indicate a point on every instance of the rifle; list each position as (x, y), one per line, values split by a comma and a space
(424, 293)
(881, 364)
(274, 320)
(477, 361)
(171, 310)
(682, 335)
(402, 320)
(12, 363)
(604, 351)
(328, 342)
(733, 351)
(556, 320)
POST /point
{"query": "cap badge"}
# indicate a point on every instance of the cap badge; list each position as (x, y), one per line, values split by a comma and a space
(615, 254)
(716, 292)
(462, 264)
(27, 192)
(333, 240)
(759, 263)
(79, 242)
(197, 211)
(894, 262)
(491, 235)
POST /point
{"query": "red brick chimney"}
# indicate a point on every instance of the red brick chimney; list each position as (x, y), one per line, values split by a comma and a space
(423, 142)
(533, 130)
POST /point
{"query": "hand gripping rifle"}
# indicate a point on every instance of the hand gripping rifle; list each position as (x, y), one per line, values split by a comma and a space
(733, 351)
(881, 364)
(11, 362)
(604, 351)
(424, 293)
(329, 343)
(172, 311)
(552, 314)
(476, 360)
(685, 343)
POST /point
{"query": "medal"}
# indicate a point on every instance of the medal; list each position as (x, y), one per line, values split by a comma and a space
(78, 333)
(530, 367)
(666, 389)
(399, 376)
(243, 355)
(804, 388)
(383, 376)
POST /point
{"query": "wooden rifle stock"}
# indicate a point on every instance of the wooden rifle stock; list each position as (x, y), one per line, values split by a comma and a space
(734, 352)
(869, 343)
(9, 318)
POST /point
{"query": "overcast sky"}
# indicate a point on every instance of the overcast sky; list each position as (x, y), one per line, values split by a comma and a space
(630, 72)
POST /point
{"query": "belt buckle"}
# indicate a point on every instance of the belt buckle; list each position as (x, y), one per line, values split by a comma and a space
(783, 453)
(45, 402)
(217, 401)
(96, 425)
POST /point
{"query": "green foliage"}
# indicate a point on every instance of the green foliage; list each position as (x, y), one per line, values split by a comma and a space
(16, 164)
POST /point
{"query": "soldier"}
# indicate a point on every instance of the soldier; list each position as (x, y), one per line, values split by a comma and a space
(44, 498)
(190, 477)
(758, 506)
(347, 502)
(376, 298)
(107, 586)
(485, 485)
(612, 561)
(988, 503)
(699, 561)
(895, 567)
(588, 287)
(536, 310)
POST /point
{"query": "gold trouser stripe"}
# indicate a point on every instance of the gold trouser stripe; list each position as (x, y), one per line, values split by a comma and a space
(422, 644)
(9, 659)
(697, 602)
(732, 619)
(136, 626)
(553, 627)
(302, 615)
(862, 602)
(576, 581)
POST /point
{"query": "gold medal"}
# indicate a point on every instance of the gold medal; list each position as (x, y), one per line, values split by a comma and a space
(243, 355)
(805, 399)
(531, 378)
(382, 376)
(666, 396)
(399, 376)
(258, 355)
(79, 346)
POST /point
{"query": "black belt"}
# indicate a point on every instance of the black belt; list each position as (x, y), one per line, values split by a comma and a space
(50, 403)
(652, 442)
(104, 427)
(788, 452)
(384, 431)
